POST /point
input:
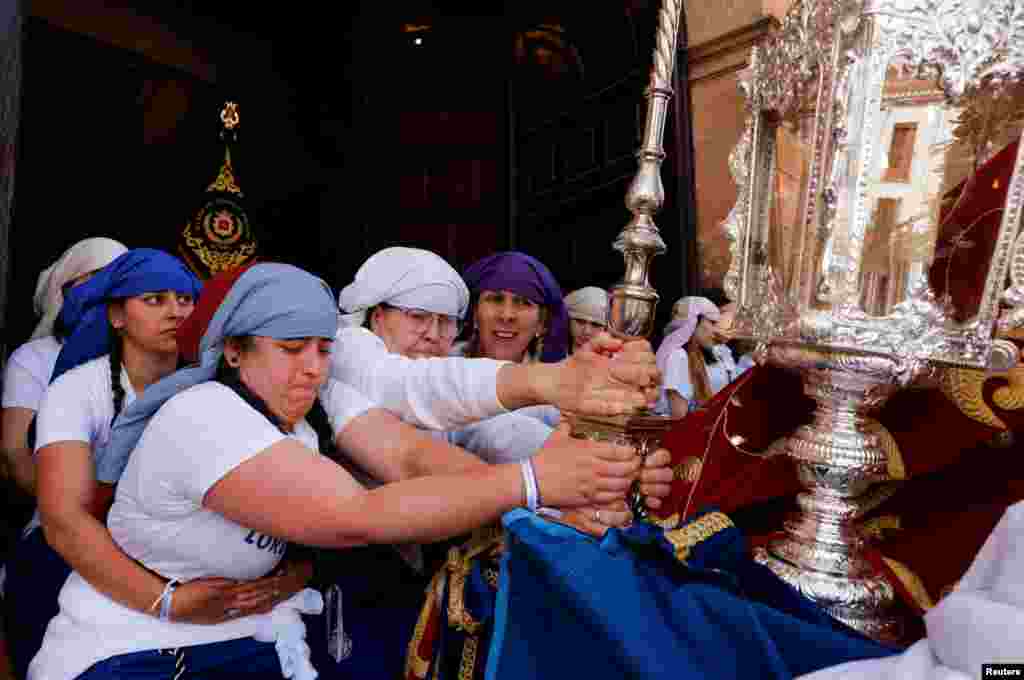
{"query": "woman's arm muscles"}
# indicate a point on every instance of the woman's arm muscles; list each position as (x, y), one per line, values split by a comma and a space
(14, 424)
(316, 502)
(70, 502)
(67, 498)
(288, 493)
(391, 450)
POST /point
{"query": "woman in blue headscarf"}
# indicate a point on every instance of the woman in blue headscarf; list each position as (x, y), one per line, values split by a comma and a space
(518, 313)
(120, 329)
(224, 472)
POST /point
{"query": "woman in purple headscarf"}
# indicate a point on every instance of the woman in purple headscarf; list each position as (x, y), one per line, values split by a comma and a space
(517, 313)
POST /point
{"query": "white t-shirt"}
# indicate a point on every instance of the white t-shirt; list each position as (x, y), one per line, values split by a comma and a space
(193, 441)
(28, 372)
(677, 377)
(79, 407)
(436, 394)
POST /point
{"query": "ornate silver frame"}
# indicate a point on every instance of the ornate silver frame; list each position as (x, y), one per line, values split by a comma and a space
(829, 50)
(834, 55)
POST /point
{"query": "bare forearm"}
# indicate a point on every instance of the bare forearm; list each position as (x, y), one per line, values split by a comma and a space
(418, 510)
(522, 385)
(435, 457)
(88, 547)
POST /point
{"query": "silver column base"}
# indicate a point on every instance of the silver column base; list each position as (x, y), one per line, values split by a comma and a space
(838, 457)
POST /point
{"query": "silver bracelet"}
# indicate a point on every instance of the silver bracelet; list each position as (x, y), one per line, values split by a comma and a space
(530, 484)
(165, 600)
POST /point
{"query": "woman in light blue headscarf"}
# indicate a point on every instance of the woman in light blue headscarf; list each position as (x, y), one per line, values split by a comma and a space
(224, 472)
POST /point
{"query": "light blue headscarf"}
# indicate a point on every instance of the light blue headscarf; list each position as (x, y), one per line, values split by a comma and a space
(272, 300)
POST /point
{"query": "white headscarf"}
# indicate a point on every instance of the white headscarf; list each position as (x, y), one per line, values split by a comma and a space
(404, 277)
(85, 256)
(588, 304)
(686, 314)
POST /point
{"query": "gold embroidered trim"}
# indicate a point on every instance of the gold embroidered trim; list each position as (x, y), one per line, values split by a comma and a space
(459, 566)
(416, 666)
(468, 665)
(686, 537)
(225, 181)
(669, 523)
(688, 469)
(964, 387)
(877, 527)
(1010, 397)
(912, 582)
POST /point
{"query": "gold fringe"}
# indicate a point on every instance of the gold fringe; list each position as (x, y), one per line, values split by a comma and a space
(877, 527)
(912, 582)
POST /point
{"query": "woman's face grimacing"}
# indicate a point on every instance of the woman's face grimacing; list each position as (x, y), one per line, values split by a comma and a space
(285, 374)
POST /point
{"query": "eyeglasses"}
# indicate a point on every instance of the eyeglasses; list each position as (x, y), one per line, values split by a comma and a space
(422, 321)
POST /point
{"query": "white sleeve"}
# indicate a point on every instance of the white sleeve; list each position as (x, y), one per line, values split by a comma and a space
(203, 434)
(24, 383)
(342, 404)
(677, 375)
(68, 410)
(507, 438)
(437, 394)
(745, 363)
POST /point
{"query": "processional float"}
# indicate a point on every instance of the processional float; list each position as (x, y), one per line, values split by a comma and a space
(868, 123)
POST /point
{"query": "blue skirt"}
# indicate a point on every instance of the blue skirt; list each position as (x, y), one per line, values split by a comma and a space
(244, 658)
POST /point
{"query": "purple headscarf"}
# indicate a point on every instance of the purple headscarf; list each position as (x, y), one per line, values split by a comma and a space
(526, 276)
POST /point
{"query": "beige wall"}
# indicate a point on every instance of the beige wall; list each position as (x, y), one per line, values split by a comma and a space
(722, 33)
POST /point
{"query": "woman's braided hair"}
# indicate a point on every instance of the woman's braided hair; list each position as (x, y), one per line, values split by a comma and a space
(116, 351)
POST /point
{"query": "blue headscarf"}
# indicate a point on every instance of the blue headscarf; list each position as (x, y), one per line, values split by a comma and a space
(273, 300)
(84, 312)
(526, 276)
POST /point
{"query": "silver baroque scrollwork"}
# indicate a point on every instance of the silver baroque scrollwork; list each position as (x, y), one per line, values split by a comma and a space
(827, 67)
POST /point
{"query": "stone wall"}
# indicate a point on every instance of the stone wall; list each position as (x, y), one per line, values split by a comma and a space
(721, 35)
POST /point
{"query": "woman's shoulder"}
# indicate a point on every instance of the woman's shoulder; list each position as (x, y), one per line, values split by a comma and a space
(210, 397)
(94, 373)
(39, 352)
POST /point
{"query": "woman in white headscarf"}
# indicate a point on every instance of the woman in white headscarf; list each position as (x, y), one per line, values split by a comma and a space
(588, 314)
(412, 302)
(29, 367)
(694, 367)
(448, 393)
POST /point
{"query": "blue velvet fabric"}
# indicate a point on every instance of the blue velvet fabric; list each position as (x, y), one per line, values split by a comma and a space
(569, 606)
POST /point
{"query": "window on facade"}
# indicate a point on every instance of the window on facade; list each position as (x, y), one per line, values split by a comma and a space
(901, 152)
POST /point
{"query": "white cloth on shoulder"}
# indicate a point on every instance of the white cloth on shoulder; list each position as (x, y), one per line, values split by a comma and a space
(404, 277)
(83, 257)
(980, 622)
(284, 627)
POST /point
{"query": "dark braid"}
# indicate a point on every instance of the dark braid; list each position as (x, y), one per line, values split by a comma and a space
(115, 373)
